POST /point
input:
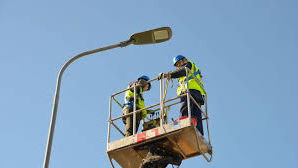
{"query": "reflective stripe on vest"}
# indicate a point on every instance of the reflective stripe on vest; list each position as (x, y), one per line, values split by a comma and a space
(140, 102)
(192, 83)
(198, 72)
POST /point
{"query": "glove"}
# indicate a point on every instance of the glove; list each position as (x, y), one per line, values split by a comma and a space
(160, 76)
(164, 75)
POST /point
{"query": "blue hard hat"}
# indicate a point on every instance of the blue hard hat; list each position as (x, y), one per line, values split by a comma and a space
(144, 77)
(177, 58)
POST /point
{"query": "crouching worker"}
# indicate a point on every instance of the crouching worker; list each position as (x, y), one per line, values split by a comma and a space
(142, 86)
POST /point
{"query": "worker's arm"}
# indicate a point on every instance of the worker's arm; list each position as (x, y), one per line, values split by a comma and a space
(180, 71)
(138, 88)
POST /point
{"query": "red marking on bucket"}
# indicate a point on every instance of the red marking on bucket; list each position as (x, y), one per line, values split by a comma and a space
(141, 136)
(156, 131)
(193, 120)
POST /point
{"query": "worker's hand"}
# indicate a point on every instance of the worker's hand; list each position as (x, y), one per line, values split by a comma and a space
(164, 75)
(160, 76)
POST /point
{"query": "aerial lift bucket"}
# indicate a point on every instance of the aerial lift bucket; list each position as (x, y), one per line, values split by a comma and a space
(180, 136)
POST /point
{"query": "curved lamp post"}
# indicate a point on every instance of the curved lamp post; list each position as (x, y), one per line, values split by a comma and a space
(148, 37)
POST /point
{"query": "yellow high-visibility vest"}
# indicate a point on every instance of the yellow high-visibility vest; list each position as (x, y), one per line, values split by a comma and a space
(140, 102)
(192, 83)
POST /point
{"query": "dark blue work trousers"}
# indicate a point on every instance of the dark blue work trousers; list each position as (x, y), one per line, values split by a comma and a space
(195, 111)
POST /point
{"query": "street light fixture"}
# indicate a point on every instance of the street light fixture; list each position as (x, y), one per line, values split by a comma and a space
(152, 36)
(148, 37)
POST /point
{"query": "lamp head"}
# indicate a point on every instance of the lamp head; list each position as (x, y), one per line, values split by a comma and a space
(152, 36)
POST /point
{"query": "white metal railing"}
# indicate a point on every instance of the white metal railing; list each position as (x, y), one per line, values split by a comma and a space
(163, 84)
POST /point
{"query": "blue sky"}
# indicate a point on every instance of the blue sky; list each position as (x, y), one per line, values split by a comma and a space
(247, 51)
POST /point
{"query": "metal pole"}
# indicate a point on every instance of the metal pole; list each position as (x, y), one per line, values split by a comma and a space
(57, 92)
(188, 95)
(109, 123)
(161, 101)
(117, 128)
(134, 110)
(207, 120)
(118, 102)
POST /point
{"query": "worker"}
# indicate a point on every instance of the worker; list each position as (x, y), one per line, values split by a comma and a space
(159, 155)
(195, 85)
(142, 85)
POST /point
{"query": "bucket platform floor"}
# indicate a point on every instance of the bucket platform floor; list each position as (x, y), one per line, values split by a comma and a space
(181, 137)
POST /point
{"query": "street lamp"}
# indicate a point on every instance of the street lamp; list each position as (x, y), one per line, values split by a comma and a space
(148, 37)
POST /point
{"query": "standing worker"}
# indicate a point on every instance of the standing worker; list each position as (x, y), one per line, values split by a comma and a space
(142, 85)
(195, 86)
